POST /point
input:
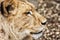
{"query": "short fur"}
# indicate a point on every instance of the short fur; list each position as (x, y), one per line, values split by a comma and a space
(16, 23)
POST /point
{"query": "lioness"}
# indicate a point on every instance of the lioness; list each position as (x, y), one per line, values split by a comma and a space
(19, 19)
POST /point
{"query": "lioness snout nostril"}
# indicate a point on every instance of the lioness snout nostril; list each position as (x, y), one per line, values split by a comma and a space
(43, 23)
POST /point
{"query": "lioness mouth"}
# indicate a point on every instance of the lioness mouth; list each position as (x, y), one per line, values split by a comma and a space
(37, 35)
(36, 32)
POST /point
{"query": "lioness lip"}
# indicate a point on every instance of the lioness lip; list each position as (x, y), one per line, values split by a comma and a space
(37, 35)
(36, 32)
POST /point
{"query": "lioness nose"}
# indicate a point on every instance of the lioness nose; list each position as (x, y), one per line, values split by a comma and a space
(44, 22)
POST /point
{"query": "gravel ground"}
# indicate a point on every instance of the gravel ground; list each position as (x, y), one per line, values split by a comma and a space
(51, 10)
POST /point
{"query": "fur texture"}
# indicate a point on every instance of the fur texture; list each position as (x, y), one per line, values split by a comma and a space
(19, 19)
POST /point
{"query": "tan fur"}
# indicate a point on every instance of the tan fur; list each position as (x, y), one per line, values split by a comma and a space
(17, 24)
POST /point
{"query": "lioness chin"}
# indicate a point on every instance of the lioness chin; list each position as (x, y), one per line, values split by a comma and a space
(19, 19)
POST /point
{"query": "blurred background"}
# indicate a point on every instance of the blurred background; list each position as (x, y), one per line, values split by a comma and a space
(51, 10)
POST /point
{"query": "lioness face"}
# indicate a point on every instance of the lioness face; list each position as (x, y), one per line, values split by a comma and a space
(25, 19)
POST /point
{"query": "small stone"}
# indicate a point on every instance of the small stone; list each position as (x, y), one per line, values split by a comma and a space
(47, 31)
(59, 19)
(49, 24)
(58, 25)
(51, 33)
(58, 1)
(53, 36)
(57, 32)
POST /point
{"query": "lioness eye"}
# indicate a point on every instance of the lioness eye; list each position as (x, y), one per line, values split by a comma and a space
(29, 12)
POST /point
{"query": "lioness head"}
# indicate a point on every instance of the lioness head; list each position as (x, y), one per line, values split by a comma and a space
(22, 19)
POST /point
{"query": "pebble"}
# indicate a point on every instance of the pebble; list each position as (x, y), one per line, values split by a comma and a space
(59, 19)
(57, 32)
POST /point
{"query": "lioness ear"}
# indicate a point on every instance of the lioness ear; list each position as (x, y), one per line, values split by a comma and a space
(3, 7)
(6, 4)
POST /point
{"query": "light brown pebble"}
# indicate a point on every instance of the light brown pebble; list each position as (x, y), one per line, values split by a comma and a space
(57, 32)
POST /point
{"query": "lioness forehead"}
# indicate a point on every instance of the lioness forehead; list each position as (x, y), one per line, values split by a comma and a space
(26, 6)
